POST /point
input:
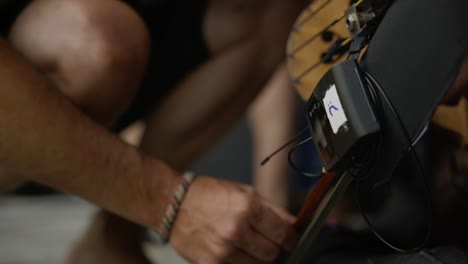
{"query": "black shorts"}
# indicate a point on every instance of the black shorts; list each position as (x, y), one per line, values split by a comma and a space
(177, 48)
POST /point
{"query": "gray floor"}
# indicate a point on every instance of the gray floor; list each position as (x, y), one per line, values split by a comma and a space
(41, 230)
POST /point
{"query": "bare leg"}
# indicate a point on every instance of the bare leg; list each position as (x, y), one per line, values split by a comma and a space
(85, 52)
(247, 40)
(273, 118)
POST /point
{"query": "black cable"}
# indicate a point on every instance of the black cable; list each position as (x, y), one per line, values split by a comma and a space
(294, 167)
(291, 163)
(373, 87)
(295, 138)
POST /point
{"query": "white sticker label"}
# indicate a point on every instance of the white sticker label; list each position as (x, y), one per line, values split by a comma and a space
(334, 109)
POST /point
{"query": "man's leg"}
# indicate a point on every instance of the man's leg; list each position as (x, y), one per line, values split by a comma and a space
(95, 53)
(247, 40)
(273, 121)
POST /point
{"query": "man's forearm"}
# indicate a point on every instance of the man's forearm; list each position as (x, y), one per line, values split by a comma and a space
(44, 137)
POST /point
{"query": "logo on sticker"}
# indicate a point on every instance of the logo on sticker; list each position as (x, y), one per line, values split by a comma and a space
(332, 108)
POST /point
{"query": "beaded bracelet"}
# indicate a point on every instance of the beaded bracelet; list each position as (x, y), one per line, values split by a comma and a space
(174, 206)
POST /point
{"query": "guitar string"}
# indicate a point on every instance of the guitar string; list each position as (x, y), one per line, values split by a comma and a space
(302, 23)
(310, 40)
(298, 79)
(311, 15)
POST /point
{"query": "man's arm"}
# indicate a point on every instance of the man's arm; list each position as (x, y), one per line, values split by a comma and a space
(46, 138)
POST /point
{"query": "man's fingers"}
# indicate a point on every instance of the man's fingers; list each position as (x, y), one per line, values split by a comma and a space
(274, 225)
(223, 251)
(256, 245)
(281, 213)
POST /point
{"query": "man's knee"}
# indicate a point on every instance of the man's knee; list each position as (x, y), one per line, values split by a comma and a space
(94, 51)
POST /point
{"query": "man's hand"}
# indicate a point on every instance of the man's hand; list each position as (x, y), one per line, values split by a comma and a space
(223, 222)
